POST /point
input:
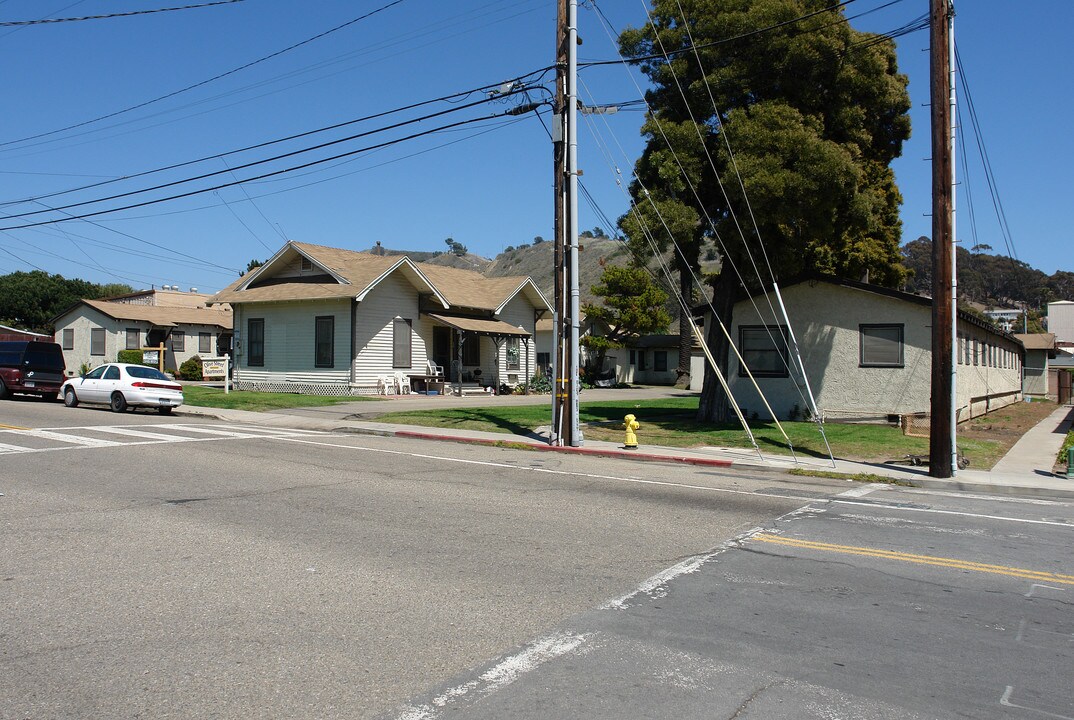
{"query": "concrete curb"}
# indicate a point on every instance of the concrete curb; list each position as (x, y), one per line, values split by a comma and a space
(596, 452)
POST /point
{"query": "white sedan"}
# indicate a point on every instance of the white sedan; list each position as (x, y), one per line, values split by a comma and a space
(120, 385)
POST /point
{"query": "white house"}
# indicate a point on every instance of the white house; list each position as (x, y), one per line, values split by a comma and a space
(324, 320)
(92, 332)
(867, 352)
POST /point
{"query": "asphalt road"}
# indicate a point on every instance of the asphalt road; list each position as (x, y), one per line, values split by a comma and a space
(175, 567)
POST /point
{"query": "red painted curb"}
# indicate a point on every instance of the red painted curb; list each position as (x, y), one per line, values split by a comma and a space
(628, 454)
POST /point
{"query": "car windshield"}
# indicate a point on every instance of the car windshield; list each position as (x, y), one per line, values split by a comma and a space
(146, 373)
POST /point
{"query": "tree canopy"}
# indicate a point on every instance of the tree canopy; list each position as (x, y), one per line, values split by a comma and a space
(31, 300)
(813, 112)
(631, 305)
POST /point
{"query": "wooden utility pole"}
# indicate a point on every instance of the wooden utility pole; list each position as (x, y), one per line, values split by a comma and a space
(942, 422)
(565, 428)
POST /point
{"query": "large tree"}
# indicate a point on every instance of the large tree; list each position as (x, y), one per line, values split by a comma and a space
(813, 112)
(32, 300)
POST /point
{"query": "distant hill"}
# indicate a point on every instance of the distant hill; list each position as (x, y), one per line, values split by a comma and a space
(989, 280)
(533, 260)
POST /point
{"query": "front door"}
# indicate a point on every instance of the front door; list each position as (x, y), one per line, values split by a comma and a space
(442, 355)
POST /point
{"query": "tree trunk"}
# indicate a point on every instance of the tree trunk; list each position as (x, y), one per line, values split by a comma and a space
(686, 333)
(715, 406)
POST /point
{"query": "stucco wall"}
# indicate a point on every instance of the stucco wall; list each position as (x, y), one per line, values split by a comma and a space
(826, 321)
(83, 319)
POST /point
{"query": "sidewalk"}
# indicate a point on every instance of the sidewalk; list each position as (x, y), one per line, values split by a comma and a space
(1025, 470)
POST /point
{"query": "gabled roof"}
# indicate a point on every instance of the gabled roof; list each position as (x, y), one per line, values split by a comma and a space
(161, 316)
(351, 274)
(922, 300)
(1038, 341)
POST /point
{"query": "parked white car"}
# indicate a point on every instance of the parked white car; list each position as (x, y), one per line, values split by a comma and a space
(121, 385)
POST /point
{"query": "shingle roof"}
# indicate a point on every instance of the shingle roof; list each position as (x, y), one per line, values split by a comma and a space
(359, 271)
(163, 316)
(1037, 341)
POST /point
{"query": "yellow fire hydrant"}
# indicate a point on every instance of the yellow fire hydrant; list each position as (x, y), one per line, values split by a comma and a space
(631, 425)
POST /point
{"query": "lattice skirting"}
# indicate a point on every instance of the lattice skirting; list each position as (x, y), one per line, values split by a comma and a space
(300, 388)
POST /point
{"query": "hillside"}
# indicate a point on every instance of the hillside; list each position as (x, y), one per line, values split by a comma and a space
(536, 261)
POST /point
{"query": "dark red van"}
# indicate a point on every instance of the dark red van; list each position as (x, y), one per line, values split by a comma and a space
(31, 367)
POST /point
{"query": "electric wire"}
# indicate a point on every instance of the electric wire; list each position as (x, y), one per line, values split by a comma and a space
(993, 188)
(296, 136)
(207, 81)
(259, 177)
(46, 21)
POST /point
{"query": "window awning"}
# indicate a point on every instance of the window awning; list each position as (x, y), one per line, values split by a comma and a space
(479, 326)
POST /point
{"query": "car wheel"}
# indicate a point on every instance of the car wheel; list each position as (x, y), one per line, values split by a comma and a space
(69, 398)
(118, 403)
(3, 390)
(164, 410)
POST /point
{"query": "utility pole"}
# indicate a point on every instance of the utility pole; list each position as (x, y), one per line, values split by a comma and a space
(942, 450)
(565, 426)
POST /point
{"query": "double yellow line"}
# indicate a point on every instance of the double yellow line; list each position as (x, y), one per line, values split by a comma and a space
(1038, 575)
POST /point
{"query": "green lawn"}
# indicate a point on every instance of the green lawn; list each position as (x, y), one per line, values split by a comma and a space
(258, 401)
(669, 422)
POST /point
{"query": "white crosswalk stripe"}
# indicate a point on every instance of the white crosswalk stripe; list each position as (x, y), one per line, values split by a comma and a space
(69, 438)
(82, 438)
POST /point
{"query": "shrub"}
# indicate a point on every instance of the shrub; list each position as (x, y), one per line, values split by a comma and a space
(540, 384)
(130, 356)
(84, 368)
(191, 369)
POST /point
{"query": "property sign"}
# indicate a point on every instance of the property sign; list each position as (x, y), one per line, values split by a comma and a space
(151, 357)
(213, 367)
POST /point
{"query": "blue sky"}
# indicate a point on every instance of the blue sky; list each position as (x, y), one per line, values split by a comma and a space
(486, 184)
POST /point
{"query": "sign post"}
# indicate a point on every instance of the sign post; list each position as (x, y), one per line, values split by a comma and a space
(214, 367)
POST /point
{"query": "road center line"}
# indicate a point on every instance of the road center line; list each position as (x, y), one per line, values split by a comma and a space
(917, 559)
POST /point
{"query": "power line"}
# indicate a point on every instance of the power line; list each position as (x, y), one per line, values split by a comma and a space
(209, 80)
(253, 163)
(47, 21)
(261, 177)
(296, 136)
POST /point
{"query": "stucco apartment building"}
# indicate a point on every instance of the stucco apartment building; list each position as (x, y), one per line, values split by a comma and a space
(867, 353)
(92, 332)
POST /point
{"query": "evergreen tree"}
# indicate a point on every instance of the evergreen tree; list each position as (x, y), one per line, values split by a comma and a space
(814, 112)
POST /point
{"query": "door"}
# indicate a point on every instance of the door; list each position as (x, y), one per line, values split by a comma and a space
(87, 389)
(442, 354)
(108, 382)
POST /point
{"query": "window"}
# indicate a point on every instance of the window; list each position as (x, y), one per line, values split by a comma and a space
(401, 343)
(111, 373)
(512, 353)
(881, 345)
(133, 339)
(976, 353)
(325, 342)
(96, 341)
(641, 360)
(205, 342)
(255, 342)
(544, 359)
(95, 373)
(69, 339)
(633, 357)
(177, 341)
(764, 350)
(307, 264)
(660, 360)
(471, 349)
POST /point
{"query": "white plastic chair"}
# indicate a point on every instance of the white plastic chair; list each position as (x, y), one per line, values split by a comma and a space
(385, 386)
(434, 369)
(402, 383)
